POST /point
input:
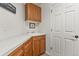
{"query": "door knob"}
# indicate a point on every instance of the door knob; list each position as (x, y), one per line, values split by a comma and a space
(76, 36)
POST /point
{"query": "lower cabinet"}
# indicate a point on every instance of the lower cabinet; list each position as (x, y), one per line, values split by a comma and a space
(28, 48)
(42, 40)
(17, 52)
(39, 45)
(35, 46)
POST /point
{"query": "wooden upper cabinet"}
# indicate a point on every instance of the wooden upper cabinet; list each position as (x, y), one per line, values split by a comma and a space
(32, 12)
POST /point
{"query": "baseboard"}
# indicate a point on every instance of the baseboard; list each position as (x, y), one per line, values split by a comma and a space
(48, 53)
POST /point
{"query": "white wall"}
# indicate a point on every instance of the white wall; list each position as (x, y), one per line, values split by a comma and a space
(12, 24)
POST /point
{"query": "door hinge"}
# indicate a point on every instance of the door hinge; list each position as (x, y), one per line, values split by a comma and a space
(51, 30)
(51, 10)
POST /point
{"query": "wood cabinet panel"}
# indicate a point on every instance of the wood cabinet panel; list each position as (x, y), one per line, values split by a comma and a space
(42, 40)
(17, 52)
(36, 46)
(32, 12)
(28, 49)
(38, 18)
(39, 45)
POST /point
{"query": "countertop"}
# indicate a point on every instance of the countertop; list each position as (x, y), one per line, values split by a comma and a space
(10, 44)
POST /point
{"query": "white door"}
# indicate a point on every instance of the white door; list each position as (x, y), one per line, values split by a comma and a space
(70, 29)
(57, 42)
(64, 25)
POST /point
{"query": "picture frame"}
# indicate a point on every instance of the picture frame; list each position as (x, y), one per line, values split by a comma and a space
(8, 6)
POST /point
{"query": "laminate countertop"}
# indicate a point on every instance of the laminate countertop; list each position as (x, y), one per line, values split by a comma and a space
(10, 44)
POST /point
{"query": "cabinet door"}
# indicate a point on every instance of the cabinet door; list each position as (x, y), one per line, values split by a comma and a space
(42, 44)
(28, 48)
(32, 12)
(29, 11)
(36, 46)
(38, 14)
(17, 52)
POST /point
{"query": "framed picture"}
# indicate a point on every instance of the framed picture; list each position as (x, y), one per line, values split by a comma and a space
(9, 7)
(32, 25)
